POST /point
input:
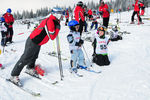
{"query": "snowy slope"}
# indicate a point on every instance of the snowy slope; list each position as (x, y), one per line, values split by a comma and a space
(126, 78)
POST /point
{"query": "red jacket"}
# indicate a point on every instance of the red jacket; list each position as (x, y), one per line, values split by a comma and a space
(79, 13)
(136, 6)
(9, 19)
(39, 35)
(105, 11)
(67, 14)
(90, 12)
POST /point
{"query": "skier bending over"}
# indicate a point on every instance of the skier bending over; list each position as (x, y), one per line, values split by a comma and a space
(75, 44)
(48, 28)
(100, 56)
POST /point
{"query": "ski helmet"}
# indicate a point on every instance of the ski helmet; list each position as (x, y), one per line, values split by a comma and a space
(72, 24)
(57, 12)
(9, 10)
(2, 19)
(101, 28)
(80, 3)
(114, 28)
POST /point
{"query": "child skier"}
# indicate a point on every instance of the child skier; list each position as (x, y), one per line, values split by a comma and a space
(114, 36)
(100, 56)
(75, 44)
(94, 21)
(3, 30)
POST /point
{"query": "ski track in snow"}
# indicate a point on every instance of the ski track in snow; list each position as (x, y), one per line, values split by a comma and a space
(126, 78)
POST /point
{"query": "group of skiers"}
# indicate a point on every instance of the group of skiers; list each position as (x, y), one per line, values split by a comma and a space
(6, 27)
(49, 29)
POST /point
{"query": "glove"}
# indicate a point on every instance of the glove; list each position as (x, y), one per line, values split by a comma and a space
(71, 51)
(81, 42)
(11, 23)
(57, 24)
(100, 12)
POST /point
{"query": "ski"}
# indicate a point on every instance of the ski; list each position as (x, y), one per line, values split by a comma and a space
(44, 80)
(77, 74)
(55, 55)
(25, 89)
(93, 71)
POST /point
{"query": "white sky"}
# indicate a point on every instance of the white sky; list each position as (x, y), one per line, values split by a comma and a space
(20, 5)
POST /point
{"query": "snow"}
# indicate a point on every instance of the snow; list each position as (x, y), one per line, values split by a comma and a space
(126, 78)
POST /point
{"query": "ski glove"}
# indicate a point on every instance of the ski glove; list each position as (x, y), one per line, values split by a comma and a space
(11, 23)
(70, 38)
(79, 43)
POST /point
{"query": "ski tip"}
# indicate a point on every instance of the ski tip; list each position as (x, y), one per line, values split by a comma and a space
(54, 82)
(37, 94)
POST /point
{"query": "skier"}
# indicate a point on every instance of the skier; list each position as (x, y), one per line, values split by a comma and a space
(100, 55)
(136, 11)
(103, 10)
(79, 15)
(47, 29)
(94, 20)
(9, 19)
(67, 16)
(75, 44)
(114, 36)
(3, 30)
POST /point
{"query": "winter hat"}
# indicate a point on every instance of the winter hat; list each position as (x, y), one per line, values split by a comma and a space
(9, 10)
(80, 3)
(57, 12)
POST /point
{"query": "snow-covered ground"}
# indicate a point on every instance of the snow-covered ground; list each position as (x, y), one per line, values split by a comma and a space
(126, 78)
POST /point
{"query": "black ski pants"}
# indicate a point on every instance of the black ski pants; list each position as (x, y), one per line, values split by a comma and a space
(138, 16)
(10, 34)
(101, 60)
(106, 22)
(4, 38)
(81, 23)
(28, 58)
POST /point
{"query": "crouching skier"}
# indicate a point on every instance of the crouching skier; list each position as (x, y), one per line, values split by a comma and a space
(75, 44)
(100, 56)
(48, 28)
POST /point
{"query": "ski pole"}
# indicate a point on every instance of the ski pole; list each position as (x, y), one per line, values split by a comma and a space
(59, 58)
(58, 52)
(87, 56)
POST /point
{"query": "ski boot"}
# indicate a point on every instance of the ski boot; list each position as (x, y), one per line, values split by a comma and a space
(132, 23)
(32, 72)
(15, 80)
(73, 70)
(81, 67)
